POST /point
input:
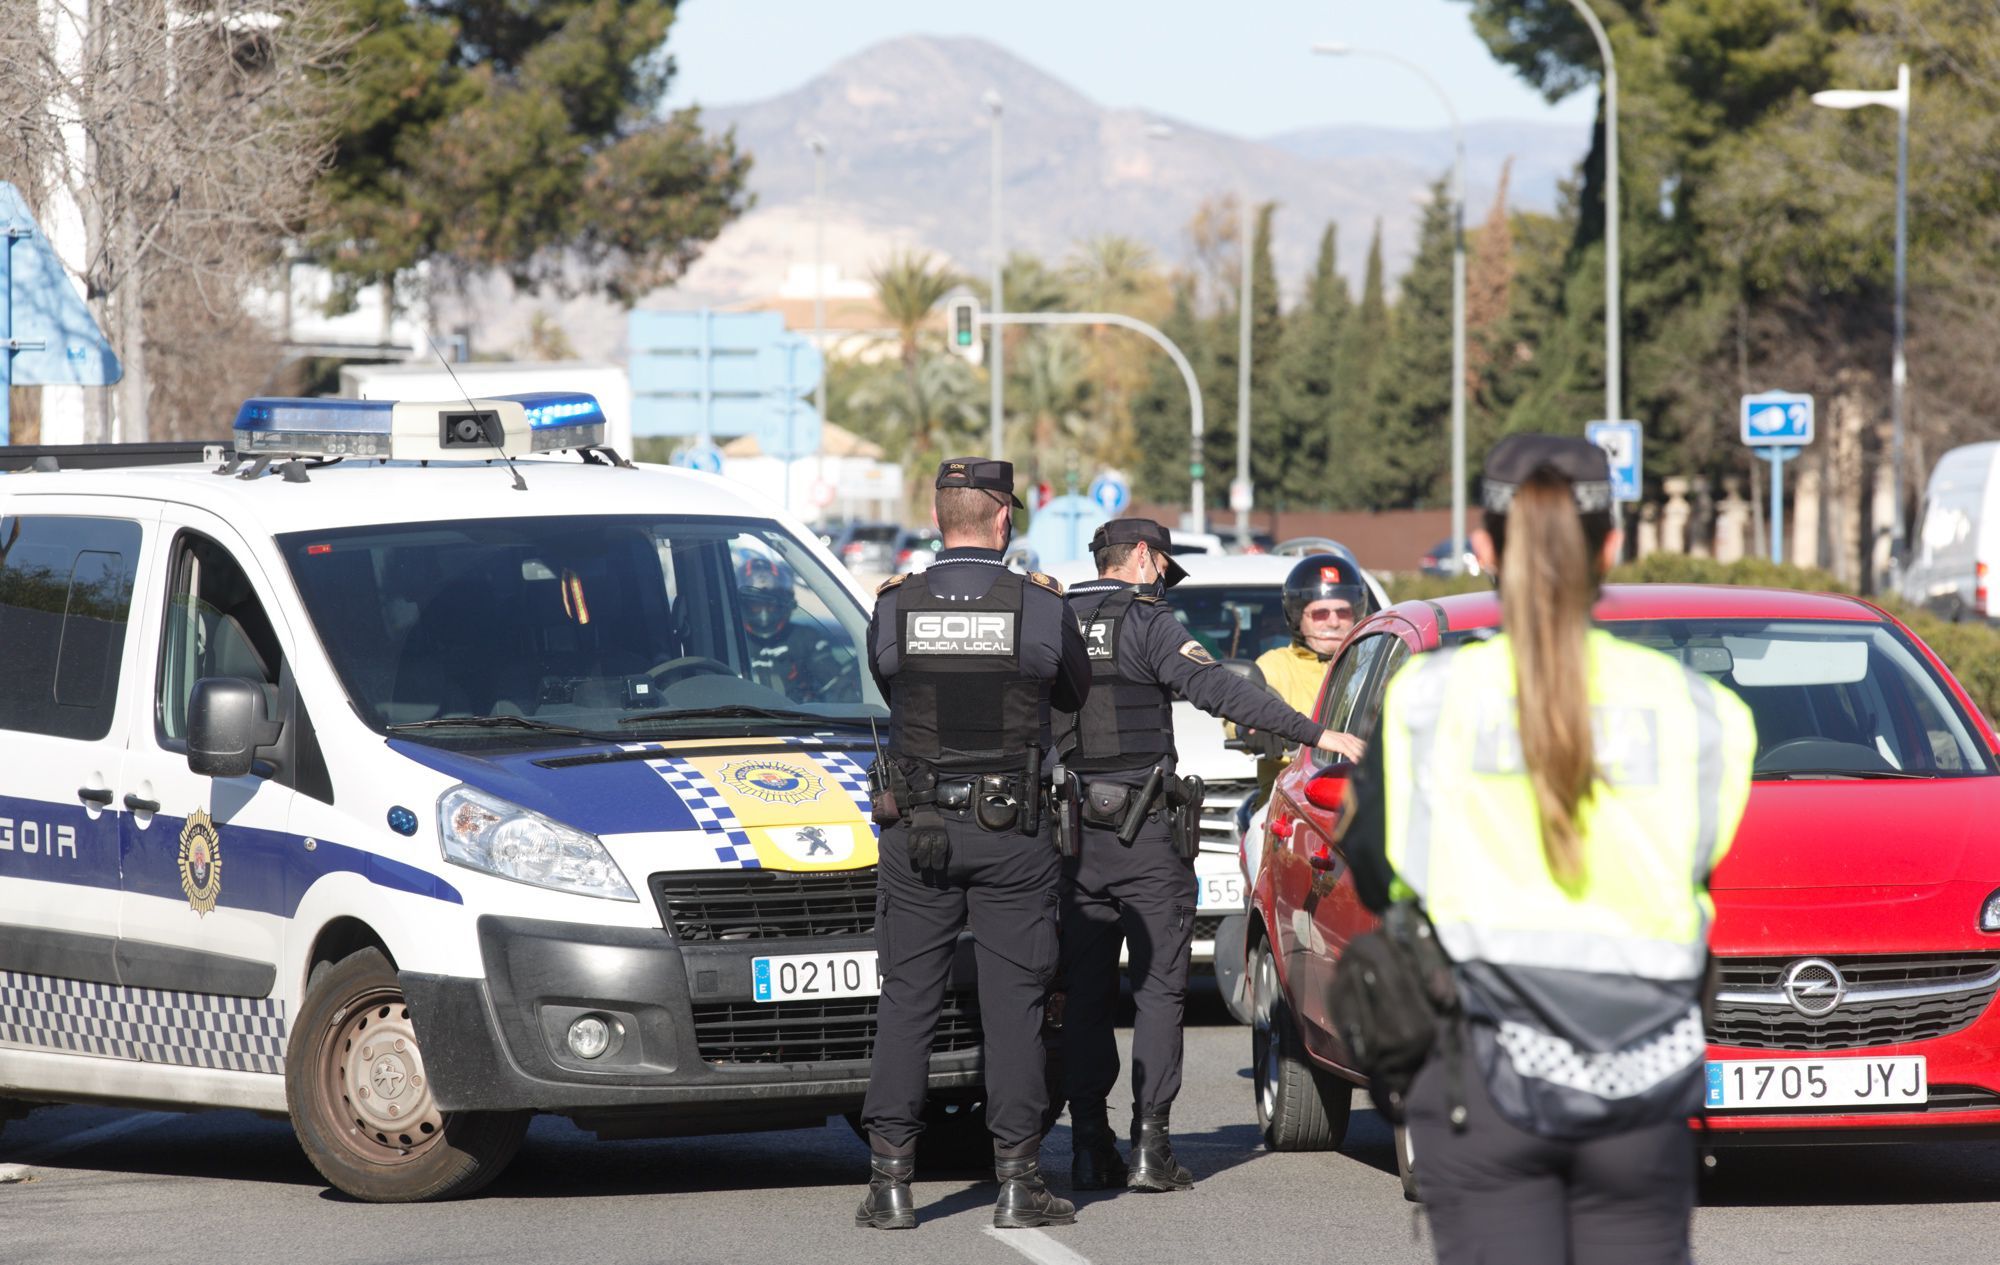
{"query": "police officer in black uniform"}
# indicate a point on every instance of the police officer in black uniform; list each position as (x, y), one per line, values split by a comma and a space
(1131, 877)
(970, 656)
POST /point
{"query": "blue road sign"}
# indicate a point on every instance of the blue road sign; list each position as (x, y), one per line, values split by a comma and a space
(789, 429)
(704, 457)
(715, 373)
(1772, 418)
(1622, 443)
(1062, 529)
(47, 334)
(1111, 493)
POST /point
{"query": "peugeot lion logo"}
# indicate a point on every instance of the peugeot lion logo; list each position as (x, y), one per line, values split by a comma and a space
(1813, 986)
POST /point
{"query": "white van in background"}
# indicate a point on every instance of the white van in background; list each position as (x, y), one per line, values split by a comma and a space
(1957, 545)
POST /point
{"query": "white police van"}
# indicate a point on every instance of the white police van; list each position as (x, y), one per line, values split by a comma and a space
(363, 773)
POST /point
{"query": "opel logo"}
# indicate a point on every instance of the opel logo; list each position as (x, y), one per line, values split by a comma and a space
(1813, 986)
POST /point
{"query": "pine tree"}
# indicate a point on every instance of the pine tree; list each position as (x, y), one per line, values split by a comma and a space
(1364, 338)
(1410, 411)
(1160, 421)
(1308, 368)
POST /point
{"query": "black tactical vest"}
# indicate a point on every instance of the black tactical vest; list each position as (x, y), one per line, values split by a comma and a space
(1125, 723)
(962, 701)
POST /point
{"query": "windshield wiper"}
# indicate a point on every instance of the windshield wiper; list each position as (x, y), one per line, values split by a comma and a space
(741, 711)
(489, 722)
(1861, 774)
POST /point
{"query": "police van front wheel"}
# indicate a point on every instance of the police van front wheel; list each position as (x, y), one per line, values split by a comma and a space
(1299, 1106)
(361, 1101)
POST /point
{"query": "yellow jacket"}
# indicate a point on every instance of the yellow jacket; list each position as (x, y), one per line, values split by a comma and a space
(1296, 673)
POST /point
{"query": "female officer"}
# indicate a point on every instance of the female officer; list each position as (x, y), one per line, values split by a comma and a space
(1554, 799)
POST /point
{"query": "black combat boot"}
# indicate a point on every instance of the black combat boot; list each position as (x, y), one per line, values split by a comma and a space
(1025, 1199)
(1153, 1163)
(1094, 1160)
(888, 1204)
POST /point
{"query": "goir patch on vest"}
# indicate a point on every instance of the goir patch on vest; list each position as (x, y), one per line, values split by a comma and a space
(947, 633)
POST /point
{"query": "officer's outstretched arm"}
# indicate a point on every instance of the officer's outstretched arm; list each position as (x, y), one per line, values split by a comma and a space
(1186, 668)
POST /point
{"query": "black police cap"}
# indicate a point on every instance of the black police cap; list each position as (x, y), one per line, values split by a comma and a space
(1141, 531)
(1517, 457)
(976, 472)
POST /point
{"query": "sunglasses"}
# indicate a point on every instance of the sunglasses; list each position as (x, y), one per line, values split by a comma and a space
(1323, 616)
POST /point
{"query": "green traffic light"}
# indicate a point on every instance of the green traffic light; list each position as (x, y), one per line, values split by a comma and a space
(1197, 470)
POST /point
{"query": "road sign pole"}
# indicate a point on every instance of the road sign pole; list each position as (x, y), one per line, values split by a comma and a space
(1776, 456)
(707, 377)
(7, 335)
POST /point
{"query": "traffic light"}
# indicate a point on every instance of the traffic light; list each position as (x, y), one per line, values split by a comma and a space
(965, 326)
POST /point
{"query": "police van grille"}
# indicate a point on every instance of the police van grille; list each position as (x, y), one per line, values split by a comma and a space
(1857, 1022)
(838, 1031)
(765, 904)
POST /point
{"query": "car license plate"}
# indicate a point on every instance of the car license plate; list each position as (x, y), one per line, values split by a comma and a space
(816, 975)
(1849, 1082)
(1220, 891)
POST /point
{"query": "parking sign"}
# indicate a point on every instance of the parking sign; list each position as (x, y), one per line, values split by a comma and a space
(1622, 443)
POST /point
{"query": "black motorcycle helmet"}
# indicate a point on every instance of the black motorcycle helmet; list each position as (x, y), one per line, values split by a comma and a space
(768, 593)
(1321, 576)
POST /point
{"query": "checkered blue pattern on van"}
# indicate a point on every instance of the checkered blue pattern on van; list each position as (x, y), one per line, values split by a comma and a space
(710, 810)
(147, 1025)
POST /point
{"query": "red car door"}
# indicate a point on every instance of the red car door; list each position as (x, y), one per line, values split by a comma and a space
(1311, 870)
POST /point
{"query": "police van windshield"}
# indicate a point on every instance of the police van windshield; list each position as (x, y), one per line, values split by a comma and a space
(1831, 698)
(591, 625)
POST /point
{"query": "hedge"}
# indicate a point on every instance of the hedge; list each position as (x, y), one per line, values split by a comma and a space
(1971, 650)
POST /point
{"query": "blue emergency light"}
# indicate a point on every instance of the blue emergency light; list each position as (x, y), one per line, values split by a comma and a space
(461, 430)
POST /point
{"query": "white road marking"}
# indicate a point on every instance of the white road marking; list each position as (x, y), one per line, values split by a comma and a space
(1037, 1246)
(77, 1141)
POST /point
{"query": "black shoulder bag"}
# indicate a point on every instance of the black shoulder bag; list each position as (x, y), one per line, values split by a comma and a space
(1393, 1001)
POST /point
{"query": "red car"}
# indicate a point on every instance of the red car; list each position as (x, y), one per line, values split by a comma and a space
(1857, 916)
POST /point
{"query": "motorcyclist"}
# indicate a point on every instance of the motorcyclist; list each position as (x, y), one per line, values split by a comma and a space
(795, 657)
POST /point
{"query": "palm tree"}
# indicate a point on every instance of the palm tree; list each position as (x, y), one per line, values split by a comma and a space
(1112, 273)
(1053, 385)
(907, 286)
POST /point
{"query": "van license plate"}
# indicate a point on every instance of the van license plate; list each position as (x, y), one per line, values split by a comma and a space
(1849, 1082)
(1219, 891)
(816, 975)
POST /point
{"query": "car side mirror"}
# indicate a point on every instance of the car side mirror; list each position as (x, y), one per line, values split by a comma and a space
(226, 726)
(1328, 787)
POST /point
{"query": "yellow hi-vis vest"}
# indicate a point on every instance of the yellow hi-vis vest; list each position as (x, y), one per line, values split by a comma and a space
(1584, 1006)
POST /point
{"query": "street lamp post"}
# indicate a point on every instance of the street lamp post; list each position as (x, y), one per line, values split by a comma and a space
(996, 367)
(818, 146)
(1457, 288)
(1899, 101)
(1613, 311)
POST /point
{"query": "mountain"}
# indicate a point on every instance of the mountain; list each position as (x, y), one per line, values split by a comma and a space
(908, 164)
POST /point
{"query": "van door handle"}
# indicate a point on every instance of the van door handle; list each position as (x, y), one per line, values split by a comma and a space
(98, 795)
(138, 805)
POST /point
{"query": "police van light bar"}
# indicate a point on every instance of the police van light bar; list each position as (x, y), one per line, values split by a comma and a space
(447, 430)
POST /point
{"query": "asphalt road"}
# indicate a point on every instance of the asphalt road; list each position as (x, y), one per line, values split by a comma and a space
(228, 1187)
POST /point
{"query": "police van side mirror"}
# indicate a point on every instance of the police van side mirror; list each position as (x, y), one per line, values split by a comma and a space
(226, 725)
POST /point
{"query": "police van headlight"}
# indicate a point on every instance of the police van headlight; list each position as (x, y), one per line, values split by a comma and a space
(485, 832)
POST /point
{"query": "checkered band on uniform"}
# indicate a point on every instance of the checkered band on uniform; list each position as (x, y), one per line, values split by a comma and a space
(147, 1025)
(1616, 1074)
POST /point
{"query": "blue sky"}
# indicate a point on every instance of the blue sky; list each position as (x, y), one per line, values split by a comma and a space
(1241, 66)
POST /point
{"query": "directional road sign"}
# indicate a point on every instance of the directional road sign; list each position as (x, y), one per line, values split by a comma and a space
(1622, 443)
(1061, 530)
(47, 334)
(706, 458)
(789, 429)
(1111, 493)
(1774, 418)
(716, 373)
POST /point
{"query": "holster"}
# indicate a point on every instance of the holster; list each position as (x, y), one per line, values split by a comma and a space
(1184, 796)
(1065, 809)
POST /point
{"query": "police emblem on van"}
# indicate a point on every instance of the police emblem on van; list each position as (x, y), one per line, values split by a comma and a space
(201, 862)
(773, 781)
(940, 632)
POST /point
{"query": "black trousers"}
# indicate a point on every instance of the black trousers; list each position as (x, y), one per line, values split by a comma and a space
(1498, 1195)
(1143, 897)
(1002, 887)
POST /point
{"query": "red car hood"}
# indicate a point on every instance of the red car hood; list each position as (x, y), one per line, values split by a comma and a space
(1865, 834)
